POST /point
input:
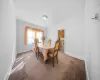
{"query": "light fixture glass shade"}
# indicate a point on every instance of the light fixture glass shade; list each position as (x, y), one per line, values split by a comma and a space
(45, 17)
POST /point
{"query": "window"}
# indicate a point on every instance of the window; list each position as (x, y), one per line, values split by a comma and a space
(39, 36)
(31, 34)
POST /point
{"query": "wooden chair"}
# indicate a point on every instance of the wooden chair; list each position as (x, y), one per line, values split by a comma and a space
(36, 49)
(60, 43)
(54, 53)
(49, 42)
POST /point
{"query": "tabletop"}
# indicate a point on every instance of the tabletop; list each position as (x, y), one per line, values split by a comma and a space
(46, 46)
(45, 49)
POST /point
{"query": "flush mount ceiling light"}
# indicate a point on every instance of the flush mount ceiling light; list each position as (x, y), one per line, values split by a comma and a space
(97, 17)
(97, 14)
(45, 17)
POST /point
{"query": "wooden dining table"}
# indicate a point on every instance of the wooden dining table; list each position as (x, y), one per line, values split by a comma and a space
(45, 49)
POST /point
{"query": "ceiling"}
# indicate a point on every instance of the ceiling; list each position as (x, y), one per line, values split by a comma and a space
(56, 10)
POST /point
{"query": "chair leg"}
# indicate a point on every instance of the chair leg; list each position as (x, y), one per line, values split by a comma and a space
(37, 55)
(53, 62)
(57, 59)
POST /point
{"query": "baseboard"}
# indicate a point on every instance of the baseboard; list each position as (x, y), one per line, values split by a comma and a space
(24, 52)
(79, 57)
(13, 60)
(14, 53)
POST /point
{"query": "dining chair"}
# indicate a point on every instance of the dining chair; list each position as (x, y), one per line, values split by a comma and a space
(36, 49)
(60, 43)
(54, 53)
(49, 42)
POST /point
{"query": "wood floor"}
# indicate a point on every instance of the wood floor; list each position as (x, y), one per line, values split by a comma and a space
(68, 68)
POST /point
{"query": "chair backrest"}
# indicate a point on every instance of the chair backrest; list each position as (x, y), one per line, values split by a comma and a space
(36, 42)
(49, 42)
(36, 49)
(60, 43)
(56, 48)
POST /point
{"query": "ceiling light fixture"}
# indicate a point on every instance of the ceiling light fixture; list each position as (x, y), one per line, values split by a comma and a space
(45, 17)
(97, 15)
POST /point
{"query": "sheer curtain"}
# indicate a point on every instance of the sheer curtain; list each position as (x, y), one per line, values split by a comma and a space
(30, 36)
(39, 36)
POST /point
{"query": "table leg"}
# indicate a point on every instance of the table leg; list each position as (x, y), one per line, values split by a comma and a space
(45, 56)
(46, 62)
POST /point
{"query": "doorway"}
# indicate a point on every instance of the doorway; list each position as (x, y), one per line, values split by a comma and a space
(61, 36)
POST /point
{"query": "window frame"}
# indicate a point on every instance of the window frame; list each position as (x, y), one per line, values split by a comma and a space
(33, 29)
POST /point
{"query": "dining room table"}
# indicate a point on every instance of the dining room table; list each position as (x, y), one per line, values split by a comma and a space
(45, 48)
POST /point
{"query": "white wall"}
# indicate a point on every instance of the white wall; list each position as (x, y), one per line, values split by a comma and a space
(7, 36)
(21, 47)
(74, 32)
(92, 40)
